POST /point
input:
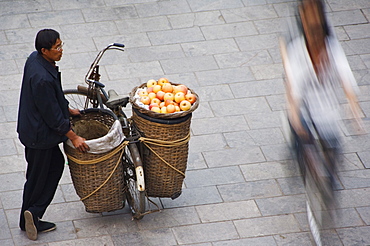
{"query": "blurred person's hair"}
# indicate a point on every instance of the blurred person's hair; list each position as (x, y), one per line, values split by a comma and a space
(321, 10)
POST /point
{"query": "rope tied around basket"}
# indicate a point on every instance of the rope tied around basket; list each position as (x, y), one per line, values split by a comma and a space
(163, 143)
(100, 159)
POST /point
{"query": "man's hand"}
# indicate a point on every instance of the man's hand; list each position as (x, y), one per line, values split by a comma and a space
(77, 141)
(74, 112)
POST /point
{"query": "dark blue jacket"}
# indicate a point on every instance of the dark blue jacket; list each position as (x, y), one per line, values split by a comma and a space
(43, 115)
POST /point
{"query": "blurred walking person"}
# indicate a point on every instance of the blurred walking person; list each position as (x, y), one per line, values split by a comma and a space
(316, 70)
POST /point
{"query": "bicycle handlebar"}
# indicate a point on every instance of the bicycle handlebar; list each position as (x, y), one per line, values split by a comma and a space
(118, 45)
(97, 83)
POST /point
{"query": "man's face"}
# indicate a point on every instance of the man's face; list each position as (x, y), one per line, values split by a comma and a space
(55, 53)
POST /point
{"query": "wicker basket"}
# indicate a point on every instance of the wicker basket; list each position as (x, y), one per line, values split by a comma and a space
(165, 153)
(100, 185)
(159, 115)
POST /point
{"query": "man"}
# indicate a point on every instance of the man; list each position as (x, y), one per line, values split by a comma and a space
(43, 123)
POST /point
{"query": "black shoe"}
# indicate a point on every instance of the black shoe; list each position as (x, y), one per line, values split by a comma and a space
(45, 226)
(30, 226)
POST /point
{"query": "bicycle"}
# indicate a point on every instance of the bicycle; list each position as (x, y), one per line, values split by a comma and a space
(95, 96)
(317, 166)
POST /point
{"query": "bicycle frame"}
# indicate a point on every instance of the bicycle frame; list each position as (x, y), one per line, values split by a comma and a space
(96, 91)
(94, 66)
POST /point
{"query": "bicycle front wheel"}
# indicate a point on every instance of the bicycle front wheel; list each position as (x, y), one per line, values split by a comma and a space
(77, 99)
(135, 194)
(319, 203)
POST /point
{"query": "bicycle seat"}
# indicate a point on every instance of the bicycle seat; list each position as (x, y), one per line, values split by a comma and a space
(115, 99)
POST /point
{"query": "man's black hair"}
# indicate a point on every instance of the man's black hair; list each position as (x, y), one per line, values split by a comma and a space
(46, 38)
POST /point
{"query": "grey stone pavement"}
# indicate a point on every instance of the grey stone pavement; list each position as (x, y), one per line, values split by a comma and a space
(241, 186)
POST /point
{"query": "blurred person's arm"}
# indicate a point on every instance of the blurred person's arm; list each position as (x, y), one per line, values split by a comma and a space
(347, 80)
(355, 107)
(293, 103)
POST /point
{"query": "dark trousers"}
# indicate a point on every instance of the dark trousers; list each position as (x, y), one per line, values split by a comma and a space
(44, 170)
(330, 146)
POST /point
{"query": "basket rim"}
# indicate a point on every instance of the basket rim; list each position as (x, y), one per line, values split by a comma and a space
(98, 110)
(160, 115)
(172, 121)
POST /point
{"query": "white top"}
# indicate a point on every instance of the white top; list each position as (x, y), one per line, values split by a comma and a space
(319, 100)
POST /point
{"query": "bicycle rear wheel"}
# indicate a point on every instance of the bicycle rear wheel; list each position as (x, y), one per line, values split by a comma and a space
(136, 196)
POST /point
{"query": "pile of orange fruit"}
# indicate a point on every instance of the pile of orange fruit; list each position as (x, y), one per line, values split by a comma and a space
(162, 96)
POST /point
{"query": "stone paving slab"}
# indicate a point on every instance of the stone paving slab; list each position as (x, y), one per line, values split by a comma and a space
(241, 188)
